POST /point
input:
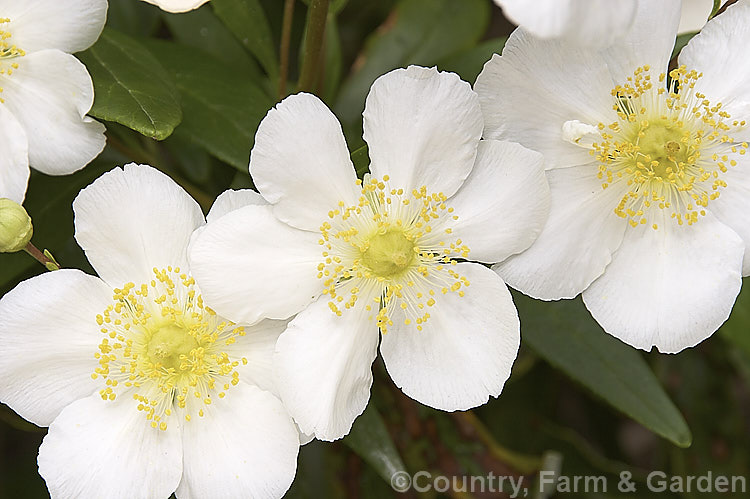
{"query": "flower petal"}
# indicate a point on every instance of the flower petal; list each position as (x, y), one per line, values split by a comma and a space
(249, 265)
(257, 346)
(300, 162)
(177, 6)
(67, 25)
(134, 219)
(107, 449)
(504, 203)
(231, 200)
(14, 160)
(648, 42)
(422, 128)
(585, 22)
(50, 94)
(530, 92)
(245, 446)
(323, 367)
(48, 338)
(670, 288)
(576, 243)
(466, 350)
(718, 52)
(695, 14)
(733, 205)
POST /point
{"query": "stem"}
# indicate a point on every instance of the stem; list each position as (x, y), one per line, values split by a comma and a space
(41, 257)
(286, 37)
(316, 27)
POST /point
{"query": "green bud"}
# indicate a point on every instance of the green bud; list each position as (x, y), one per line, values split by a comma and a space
(15, 226)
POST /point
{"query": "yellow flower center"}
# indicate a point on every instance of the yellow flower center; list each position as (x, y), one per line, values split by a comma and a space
(163, 345)
(395, 246)
(668, 150)
(8, 51)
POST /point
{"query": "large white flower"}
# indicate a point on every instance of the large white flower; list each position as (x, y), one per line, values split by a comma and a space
(386, 253)
(45, 92)
(648, 172)
(145, 389)
(177, 6)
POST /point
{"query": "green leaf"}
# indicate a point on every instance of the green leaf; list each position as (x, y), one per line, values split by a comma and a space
(247, 20)
(737, 328)
(424, 32)
(131, 86)
(567, 337)
(469, 63)
(202, 29)
(133, 18)
(680, 43)
(369, 438)
(361, 160)
(222, 108)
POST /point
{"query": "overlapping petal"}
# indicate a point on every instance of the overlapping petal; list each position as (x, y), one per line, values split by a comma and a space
(245, 446)
(422, 128)
(177, 6)
(323, 367)
(134, 219)
(670, 288)
(50, 94)
(733, 205)
(464, 354)
(107, 449)
(48, 338)
(14, 159)
(300, 162)
(249, 265)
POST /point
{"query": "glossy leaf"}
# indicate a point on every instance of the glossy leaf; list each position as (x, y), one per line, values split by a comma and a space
(131, 86)
(369, 438)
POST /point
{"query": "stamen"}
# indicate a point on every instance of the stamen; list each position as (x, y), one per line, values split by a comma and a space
(7, 52)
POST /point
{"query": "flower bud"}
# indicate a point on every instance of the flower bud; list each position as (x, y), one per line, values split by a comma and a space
(15, 226)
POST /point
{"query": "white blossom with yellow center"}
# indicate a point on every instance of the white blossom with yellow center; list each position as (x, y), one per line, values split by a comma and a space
(145, 389)
(45, 92)
(389, 254)
(648, 170)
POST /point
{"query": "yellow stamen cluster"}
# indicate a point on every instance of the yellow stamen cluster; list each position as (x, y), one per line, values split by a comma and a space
(394, 246)
(165, 346)
(668, 149)
(7, 52)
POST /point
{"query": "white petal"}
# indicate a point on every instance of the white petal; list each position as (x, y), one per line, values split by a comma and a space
(257, 346)
(300, 162)
(504, 203)
(733, 205)
(576, 243)
(465, 352)
(530, 92)
(177, 6)
(67, 25)
(670, 288)
(245, 446)
(249, 265)
(648, 42)
(718, 52)
(323, 367)
(134, 219)
(586, 22)
(422, 128)
(107, 449)
(48, 338)
(14, 160)
(231, 200)
(695, 14)
(50, 94)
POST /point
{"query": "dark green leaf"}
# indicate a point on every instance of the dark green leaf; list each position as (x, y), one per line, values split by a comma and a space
(222, 109)
(133, 18)
(131, 86)
(247, 20)
(361, 160)
(424, 32)
(680, 43)
(469, 63)
(737, 328)
(568, 338)
(369, 438)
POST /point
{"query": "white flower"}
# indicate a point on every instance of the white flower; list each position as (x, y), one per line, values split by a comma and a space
(145, 389)
(355, 257)
(177, 6)
(649, 178)
(45, 92)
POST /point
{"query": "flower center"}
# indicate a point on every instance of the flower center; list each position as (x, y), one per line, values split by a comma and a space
(668, 150)
(8, 51)
(388, 254)
(395, 248)
(166, 348)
